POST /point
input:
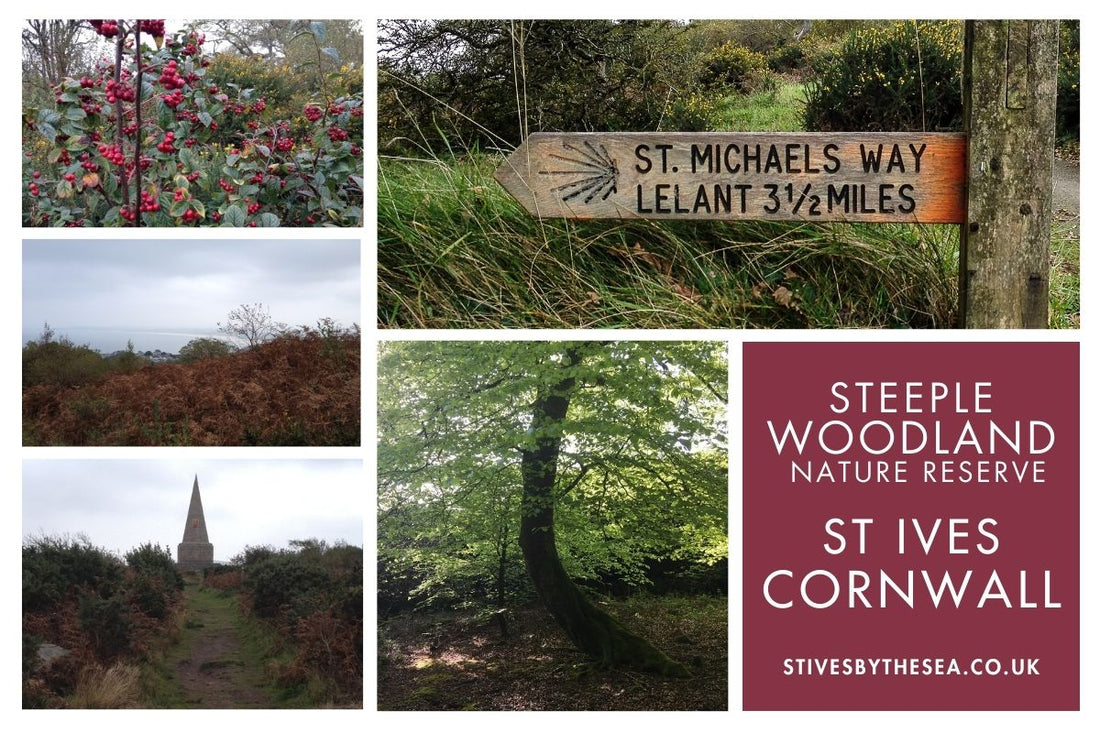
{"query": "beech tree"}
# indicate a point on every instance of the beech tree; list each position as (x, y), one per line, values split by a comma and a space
(585, 458)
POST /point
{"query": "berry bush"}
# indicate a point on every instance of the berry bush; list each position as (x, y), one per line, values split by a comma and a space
(149, 139)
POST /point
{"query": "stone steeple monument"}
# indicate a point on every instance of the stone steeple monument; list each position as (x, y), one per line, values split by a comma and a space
(195, 552)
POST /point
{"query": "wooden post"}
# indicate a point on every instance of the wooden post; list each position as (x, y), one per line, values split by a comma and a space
(1010, 73)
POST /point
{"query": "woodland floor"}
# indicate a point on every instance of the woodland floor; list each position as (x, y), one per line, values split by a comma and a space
(457, 661)
(211, 666)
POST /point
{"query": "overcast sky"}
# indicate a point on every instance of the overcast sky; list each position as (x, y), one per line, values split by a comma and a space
(185, 284)
(120, 504)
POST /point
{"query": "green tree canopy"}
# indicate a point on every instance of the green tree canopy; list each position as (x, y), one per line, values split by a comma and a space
(640, 462)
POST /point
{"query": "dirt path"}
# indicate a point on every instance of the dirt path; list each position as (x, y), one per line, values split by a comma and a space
(212, 666)
(1067, 193)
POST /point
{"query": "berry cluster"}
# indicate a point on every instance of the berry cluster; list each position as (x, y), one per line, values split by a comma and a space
(173, 100)
(195, 41)
(226, 185)
(166, 145)
(170, 77)
(149, 202)
(105, 28)
(153, 27)
(284, 144)
(70, 177)
(257, 178)
(179, 194)
(112, 153)
(33, 188)
(118, 90)
(87, 82)
(191, 215)
(336, 134)
(313, 112)
(259, 105)
(253, 207)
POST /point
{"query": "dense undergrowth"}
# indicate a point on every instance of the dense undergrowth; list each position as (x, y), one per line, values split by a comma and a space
(100, 618)
(301, 388)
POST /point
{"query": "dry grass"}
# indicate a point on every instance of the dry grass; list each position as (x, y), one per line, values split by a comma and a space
(113, 687)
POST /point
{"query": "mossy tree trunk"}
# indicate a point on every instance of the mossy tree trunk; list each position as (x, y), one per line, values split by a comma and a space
(592, 630)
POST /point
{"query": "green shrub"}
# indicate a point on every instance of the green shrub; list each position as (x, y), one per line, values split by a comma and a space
(1068, 114)
(54, 567)
(155, 562)
(107, 623)
(60, 362)
(693, 112)
(287, 584)
(786, 57)
(128, 361)
(902, 76)
(732, 68)
(149, 594)
(205, 348)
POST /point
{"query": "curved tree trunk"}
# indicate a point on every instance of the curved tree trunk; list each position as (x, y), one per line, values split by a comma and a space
(593, 631)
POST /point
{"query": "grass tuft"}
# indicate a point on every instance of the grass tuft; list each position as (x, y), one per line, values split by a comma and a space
(113, 687)
(456, 251)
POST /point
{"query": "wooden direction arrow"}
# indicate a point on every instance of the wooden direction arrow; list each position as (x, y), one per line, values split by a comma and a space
(848, 176)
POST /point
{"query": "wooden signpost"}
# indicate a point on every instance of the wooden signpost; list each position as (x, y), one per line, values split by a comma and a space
(868, 177)
(994, 179)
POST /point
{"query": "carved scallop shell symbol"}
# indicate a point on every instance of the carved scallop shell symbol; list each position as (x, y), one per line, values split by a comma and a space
(595, 172)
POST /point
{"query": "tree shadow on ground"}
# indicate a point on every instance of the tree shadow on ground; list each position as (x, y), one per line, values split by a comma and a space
(459, 661)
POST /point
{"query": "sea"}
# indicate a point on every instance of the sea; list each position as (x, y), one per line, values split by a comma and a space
(110, 340)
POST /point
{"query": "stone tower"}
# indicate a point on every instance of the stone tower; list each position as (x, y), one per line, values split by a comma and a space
(195, 552)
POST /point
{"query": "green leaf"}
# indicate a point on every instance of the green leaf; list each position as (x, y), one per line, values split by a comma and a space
(48, 132)
(267, 219)
(332, 53)
(75, 113)
(205, 119)
(48, 117)
(233, 217)
(317, 28)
